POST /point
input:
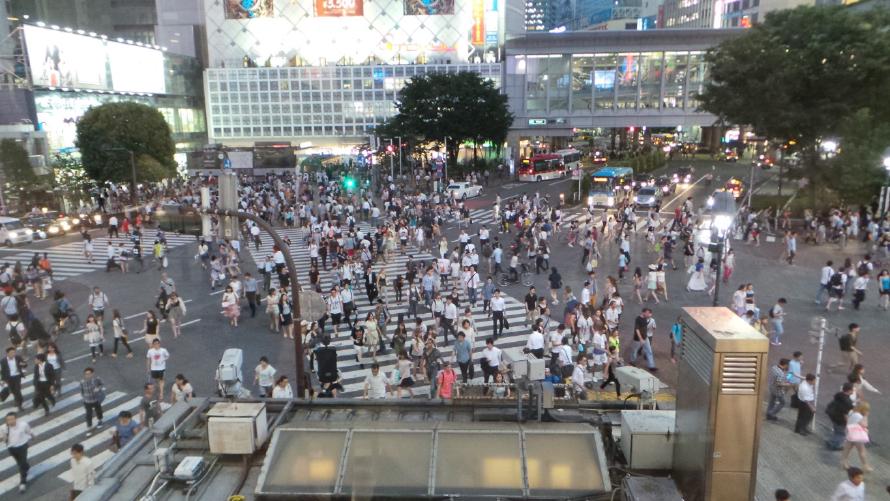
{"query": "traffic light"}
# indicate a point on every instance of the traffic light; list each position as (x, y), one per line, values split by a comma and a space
(349, 182)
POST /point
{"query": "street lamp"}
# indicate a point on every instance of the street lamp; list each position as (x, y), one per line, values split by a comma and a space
(722, 206)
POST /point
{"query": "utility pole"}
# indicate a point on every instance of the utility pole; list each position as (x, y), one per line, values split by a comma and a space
(400, 156)
(390, 159)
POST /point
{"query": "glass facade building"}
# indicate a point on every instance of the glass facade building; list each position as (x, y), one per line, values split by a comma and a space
(335, 102)
(608, 79)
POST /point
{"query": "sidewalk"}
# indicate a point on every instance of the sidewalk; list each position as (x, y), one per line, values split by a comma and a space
(805, 467)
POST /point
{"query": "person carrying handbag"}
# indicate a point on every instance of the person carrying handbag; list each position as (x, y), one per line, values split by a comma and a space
(857, 436)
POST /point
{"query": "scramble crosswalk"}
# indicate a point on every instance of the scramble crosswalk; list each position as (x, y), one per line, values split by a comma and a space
(68, 258)
(486, 216)
(352, 372)
(48, 451)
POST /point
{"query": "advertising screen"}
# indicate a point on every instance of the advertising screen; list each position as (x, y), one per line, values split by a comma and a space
(429, 7)
(338, 8)
(248, 9)
(61, 59)
(604, 79)
(136, 69)
(274, 157)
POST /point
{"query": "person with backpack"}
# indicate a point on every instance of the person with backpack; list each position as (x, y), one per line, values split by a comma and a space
(837, 411)
(836, 287)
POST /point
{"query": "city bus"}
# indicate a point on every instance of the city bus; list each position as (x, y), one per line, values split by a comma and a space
(571, 158)
(542, 168)
(609, 185)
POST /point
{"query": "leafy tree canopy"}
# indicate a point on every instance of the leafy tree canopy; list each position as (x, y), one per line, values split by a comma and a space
(106, 131)
(802, 73)
(461, 106)
(17, 168)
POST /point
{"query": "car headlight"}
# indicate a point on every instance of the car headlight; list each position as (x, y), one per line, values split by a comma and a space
(53, 229)
(664, 189)
(29, 231)
(589, 200)
(66, 226)
(98, 218)
(610, 201)
(76, 221)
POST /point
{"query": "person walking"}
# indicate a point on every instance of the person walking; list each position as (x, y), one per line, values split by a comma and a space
(176, 310)
(250, 293)
(852, 489)
(231, 309)
(12, 370)
(82, 472)
(54, 358)
(93, 336)
(642, 341)
(857, 436)
(150, 328)
(16, 433)
(93, 392)
(120, 334)
(806, 406)
(44, 376)
(264, 377)
(837, 411)
(777, 382)
(609, 370)
(156, 363)
(499, 321)
(98, 302)
(777, 319)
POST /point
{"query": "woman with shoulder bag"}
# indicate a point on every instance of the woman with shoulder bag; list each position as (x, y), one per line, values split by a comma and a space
(120, 334)
(857, 435)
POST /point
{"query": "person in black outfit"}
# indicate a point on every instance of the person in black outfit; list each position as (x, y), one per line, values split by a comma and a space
(837, 411)
(326, 360)
(12, 369)
(44, 376)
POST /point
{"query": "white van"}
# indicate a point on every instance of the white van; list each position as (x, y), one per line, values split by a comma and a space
(13, 232)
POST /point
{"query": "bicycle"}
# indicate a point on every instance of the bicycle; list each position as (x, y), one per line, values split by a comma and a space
(525, 277)
(71, 324)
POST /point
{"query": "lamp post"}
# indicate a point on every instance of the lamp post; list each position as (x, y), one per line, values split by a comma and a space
(722, 206)
(885, 190)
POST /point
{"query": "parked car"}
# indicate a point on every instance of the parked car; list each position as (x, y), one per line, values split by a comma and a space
(463, 190)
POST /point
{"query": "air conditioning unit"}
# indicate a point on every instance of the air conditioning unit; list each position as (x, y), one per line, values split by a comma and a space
(647, 439)
(650, 489)
(190, 469)
(237, 428)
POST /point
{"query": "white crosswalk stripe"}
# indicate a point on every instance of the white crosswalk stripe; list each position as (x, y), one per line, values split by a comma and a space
(352, 373)
(68, 260)
(486, 216)
(48, 451)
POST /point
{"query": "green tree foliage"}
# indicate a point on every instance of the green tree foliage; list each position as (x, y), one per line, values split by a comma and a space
(805, 74)
(105, 131)
(461, 106)
(858, 168)
(17, 170)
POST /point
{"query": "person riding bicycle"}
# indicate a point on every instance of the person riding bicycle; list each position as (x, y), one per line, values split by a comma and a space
(61, 308)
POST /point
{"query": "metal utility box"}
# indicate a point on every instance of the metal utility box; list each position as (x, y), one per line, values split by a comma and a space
(237, 428)
(722, 366)
(650, 489)
(647, 439)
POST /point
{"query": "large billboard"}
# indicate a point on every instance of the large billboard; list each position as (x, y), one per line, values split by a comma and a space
(61, 59)
(68, 60)
(248, 9)
(429, 7)
(136, 69)
(339, 8)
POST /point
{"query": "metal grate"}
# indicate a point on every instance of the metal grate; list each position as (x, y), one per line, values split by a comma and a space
(697, 354)
(738, 374)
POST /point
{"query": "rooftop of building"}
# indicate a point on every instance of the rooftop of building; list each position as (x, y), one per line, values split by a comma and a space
(620, 40)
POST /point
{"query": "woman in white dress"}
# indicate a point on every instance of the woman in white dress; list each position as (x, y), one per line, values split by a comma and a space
(697, 281)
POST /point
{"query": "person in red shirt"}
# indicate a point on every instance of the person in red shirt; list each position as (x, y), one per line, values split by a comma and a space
(445, 381)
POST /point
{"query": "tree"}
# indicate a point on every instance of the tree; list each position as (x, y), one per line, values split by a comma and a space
(107, 132)
(802, 76)
(459, 106)
(17, 169)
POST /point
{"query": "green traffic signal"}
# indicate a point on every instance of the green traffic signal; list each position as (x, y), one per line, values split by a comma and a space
(349, 183)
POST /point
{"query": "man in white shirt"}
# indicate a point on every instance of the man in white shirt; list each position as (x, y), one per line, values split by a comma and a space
(612, 316)
(376, 384)
(82, 473)
(852, 489)
(498, 305)
(825, 276)
(156, 360)
(535, 343)
(579, 378)
(17, 434)
(112, 227)
(491, 360)
(449, 317)
(806, 393)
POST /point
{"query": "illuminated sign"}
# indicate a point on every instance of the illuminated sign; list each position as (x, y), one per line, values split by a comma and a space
(600, 180)
(338, 8)
(537, 121)
(477, 33)
(429, 7)
(79, 62)
(248, 9)
(60, 59)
